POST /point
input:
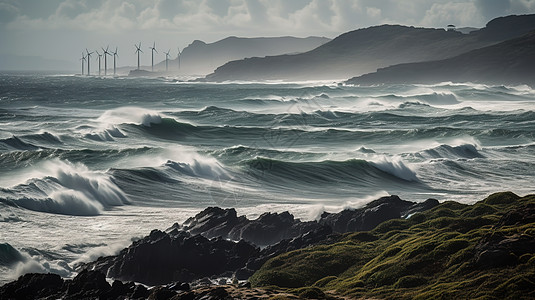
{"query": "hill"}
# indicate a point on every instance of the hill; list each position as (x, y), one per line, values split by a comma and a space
(510, 62)
(365, 50)
(200, 58)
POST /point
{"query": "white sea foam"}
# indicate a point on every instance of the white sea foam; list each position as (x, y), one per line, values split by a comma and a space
(130, 115)
(396, 167)
(58, 186)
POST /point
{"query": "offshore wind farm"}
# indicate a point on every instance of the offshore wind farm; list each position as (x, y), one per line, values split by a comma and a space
(139, 71)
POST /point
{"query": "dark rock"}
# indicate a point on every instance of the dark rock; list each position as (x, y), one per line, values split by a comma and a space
(161, 258)
(87, 284)
(213, 222)
(186, 253)
(119, 290)
(32, 286)
(524, 215)
(495, 258)
(161, 293)
(179, 286)
(419, 207)
(218, 293)
(140, 292)
(498, 250)
(371, 215)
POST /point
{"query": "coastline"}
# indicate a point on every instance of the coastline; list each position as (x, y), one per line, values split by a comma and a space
(347, 229)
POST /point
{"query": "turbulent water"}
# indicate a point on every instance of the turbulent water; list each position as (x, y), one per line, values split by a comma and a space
(87, 163)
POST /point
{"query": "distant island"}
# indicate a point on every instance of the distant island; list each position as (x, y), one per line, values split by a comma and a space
(364, 51)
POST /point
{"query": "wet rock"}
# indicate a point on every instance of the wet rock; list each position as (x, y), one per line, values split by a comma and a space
(371, 215)
(161, 258)
(32, 286)
(87, 284)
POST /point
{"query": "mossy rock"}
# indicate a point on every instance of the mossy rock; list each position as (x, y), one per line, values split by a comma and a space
(478, 210)
(363, 236)
(410, 282)
(431, 256)
(324, 281)
(309, 293)
(393, 224)
(452, 246)
(501, 198)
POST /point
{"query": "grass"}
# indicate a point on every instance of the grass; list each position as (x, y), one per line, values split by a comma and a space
(430, 255)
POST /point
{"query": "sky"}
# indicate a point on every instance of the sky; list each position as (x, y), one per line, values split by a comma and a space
(61, 29)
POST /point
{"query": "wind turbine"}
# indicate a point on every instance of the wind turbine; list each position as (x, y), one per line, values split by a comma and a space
(167, 59)
(88, 62)
(153, 48)
(99, 57)
(114, 64)
(82, 60)
(106, 60)
(178, 57)
(138, 49)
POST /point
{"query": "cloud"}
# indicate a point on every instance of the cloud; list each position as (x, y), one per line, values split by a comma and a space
(463, 13)
(8, 12)
(262, 16)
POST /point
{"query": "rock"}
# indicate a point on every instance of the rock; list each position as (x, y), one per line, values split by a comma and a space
(161, 258)
(371, 215)
(161, 293)
(179, 286)
(87, 284)
(32, 286)
(213, 222)
(217, 293)
(201, 247)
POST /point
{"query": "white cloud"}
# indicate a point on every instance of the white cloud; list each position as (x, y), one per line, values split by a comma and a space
(452, 13)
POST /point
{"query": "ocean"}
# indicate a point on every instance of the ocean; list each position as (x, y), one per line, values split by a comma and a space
(88, 164)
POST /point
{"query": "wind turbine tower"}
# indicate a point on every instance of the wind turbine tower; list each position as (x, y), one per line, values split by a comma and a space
(178, 57)
(83, 61)
(106, 60)
(167, 59)
(99, 57)
(88, 62)
(138, 49)
(115, 55)
(153, 48)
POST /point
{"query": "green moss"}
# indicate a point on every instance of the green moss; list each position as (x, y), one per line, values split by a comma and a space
(410, 282)
(309, 293)
(430, 255)
(501, 198)
(479, 209)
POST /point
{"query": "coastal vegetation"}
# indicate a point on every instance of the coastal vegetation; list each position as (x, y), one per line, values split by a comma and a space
(479, 251)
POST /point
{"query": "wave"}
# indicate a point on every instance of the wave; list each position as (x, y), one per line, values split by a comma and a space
(453, 152)
(349, 171)
(106, 135)
(9, 255)
(20, 159)
(65, 188)
(130, 115)
(15, 143)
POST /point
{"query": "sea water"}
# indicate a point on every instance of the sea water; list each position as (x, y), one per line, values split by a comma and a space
(87, 164)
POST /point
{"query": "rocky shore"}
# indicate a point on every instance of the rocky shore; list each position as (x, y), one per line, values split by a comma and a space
(213, 254)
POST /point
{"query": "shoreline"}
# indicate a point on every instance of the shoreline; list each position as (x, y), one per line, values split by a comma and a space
(211, 229)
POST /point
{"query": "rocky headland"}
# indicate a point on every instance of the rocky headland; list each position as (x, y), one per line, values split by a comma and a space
(390, 248)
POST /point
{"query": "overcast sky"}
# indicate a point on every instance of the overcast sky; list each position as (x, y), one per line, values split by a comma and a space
(60, 29)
